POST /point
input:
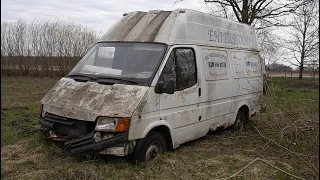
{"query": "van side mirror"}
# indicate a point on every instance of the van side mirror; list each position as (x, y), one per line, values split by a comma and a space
(169, 89)
(159, 87)
(162, 87)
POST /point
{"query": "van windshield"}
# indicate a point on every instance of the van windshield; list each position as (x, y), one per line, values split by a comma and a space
(124, 62)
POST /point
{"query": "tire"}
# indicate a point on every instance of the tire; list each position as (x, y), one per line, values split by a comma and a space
(149, 147)
(239, 122)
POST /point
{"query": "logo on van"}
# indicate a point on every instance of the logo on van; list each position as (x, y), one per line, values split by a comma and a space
(216, 61)
(228, 38)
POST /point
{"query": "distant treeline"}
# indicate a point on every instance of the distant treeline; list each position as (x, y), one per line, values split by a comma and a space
(37, 66)
(278, 67)
(42, 47)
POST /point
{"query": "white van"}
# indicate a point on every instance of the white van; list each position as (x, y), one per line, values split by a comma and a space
(154, 81)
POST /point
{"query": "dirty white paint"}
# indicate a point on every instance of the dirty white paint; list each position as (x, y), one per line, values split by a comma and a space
(218, 104)
(182, 26)
(229, 76)
(246, 64)
(88, 100)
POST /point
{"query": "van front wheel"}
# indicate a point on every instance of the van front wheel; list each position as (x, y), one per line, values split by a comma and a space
(148, 148)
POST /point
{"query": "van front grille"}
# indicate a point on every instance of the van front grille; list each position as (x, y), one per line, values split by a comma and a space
(63, 126)
(58, 119)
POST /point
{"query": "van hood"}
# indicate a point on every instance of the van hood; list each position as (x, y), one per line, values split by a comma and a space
(89, 100)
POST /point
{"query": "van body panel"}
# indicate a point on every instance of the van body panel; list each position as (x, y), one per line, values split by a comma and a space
(248, 82)
(217, 83)
(146, 115)
(88, 100)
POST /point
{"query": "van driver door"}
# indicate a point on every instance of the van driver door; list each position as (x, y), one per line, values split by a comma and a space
(181, 109)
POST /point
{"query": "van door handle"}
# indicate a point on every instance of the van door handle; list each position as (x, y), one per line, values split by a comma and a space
(199, 92)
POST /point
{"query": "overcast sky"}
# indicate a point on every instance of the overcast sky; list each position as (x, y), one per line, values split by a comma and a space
(99, 15)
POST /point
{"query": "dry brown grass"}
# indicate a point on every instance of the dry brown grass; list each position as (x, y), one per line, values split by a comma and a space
(216, 156)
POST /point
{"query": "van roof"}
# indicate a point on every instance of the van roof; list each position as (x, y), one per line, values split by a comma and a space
(182, 26)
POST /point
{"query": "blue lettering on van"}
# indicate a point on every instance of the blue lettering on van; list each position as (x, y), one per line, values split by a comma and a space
(251, 64)
(210, 35)
(228, 38)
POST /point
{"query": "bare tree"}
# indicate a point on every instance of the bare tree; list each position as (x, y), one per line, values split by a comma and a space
(248, 11)
(51, 47)
(270, 46)
(265, 15)
(303, 43)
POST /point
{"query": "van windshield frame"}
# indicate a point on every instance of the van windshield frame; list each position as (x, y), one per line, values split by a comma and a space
(121, 62)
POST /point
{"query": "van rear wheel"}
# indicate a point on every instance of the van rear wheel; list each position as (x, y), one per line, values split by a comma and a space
(239, 122)
(150, 147)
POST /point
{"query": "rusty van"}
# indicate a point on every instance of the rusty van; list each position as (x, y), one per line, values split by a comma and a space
(154, 81)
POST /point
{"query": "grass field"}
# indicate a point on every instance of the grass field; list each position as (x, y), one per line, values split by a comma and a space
(286, 136)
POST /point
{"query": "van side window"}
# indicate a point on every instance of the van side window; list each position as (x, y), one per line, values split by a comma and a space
(169, 70)
(186, 70)
(181, 67)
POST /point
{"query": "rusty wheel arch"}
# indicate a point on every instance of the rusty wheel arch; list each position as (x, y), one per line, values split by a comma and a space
(164, 130)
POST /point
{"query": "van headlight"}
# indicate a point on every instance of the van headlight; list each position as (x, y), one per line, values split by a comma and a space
(112, 124)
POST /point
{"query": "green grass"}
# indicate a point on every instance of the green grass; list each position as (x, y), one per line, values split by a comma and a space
(20, 100)
(289, 121)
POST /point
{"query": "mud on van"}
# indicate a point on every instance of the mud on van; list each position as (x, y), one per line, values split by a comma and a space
(154, 81)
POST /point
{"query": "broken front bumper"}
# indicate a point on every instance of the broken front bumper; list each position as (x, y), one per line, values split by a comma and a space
(86, 143)
(117, 145)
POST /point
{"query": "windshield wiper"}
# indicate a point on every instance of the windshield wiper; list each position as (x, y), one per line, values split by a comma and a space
(107, 79)
(101, 80)
(81, 77)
